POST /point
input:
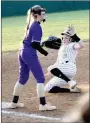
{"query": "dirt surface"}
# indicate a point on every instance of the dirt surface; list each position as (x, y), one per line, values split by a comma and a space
(63, 101)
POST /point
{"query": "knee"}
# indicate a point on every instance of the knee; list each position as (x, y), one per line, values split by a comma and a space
(41, 80)
(56, 72)
(23, 80)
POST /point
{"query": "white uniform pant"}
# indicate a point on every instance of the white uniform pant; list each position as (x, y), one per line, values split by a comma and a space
(69, 69)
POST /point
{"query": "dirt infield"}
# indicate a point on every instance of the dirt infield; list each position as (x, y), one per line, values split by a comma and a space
(62, 101)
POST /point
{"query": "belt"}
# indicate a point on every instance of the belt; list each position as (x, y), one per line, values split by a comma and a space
(67, 62)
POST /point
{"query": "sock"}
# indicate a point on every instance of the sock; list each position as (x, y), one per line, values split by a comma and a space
(42, 100)
(40, 90)
(17, 89)
(15, 99)
(58, 73)
(57, 89)
(41, 93)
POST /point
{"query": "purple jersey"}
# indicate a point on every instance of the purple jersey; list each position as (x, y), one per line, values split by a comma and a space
(34, 34)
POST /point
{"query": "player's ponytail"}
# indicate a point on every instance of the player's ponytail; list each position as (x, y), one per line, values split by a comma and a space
(28, 20)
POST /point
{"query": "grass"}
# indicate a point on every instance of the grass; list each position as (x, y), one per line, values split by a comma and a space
(13, 27)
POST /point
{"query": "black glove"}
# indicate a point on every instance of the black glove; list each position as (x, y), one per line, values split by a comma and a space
(46, 53)
(52, 42)
(75, 38)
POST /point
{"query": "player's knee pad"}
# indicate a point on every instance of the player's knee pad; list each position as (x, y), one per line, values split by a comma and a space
(58, 73)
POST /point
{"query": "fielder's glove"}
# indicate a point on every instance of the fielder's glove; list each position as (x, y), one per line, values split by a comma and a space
(52, 42)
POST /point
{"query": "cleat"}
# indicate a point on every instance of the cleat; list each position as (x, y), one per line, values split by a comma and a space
(15, 105)
(72, 84)
(46, 107)
(75, 90)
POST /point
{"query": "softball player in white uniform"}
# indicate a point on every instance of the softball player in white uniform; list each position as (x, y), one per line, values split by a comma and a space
(65, 65)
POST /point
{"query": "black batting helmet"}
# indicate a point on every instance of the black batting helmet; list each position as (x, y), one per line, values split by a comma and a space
(37, 9)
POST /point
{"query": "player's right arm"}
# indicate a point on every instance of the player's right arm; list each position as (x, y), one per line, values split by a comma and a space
(36, 39)
(79, 45)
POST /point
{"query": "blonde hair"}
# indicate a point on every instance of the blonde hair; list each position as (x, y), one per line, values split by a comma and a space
(30, 16)
(28, 21)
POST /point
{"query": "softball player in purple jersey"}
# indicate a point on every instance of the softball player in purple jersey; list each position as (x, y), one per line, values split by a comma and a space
(64, 70)
(28, 59)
